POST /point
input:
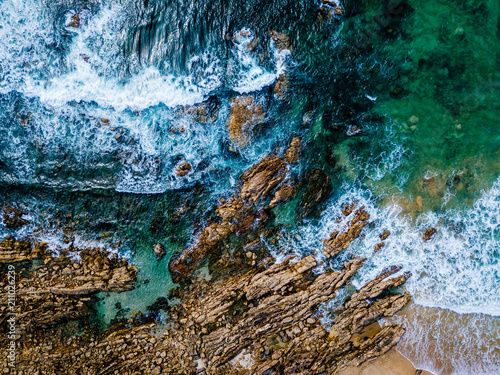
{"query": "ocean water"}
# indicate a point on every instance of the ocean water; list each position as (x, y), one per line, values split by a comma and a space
(396, 101)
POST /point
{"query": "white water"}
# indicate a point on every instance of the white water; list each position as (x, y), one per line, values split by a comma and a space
(76, 76)
(455, 276)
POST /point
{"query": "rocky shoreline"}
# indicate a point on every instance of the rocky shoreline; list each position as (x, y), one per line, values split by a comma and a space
(254, 316)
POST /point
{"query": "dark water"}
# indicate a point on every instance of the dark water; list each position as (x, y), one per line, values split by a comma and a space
(396, 101)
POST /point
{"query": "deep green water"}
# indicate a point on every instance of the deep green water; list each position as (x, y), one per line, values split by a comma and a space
(397, 102)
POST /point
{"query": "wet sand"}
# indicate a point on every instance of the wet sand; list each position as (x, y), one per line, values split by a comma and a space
(391, 363)
(447, 343)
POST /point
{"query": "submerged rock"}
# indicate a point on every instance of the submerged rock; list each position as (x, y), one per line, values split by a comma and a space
(317, 188)
(159, 251)
(203, 113)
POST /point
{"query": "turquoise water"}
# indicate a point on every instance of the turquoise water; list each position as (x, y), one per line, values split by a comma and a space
(396, 101)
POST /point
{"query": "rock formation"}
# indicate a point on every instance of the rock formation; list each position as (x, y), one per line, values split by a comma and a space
(183, 169)
(254, 316)
(266, 314)
(245, 115)
(54, 289)
(237, 215)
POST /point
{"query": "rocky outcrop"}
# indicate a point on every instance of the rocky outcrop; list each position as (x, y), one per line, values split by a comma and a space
(281, 40)
(12, 251)
(75, 21)
(281, 86)
(265, 315)
(428, 234)
(340, 240)
(237, 215)
(262, 178)
(54, 289)
(284, 193)
(245, 115)
(159, 251)
(183, 169)
(13, 217)
(293, 152)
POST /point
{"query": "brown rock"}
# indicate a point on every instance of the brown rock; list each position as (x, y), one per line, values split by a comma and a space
(281, 86)
(264, 312)
(245, 115)
(281, 40)
(56, 290)
(293, 152)
(339, 241)
(13, 217)
(159, 251)
(262, 178)
(384, 235)
(183, 169)
(75, 21)
(429, 233)
(283, 194)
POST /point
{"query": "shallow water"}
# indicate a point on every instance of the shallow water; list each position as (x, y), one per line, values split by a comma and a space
(396, 101)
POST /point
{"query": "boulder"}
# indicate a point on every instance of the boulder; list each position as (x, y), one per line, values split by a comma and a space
(245, 115)
(183, 169)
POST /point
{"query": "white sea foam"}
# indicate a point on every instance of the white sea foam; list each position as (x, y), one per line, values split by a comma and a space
(457, 269)
(250, 75)
(88, 71)
(446, 343)
(135, 153)
(455, 276)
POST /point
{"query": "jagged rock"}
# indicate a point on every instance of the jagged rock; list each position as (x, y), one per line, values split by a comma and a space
(56, 290)
(384, 235)
(281, 40)
(429, 233)
(293, 152)
(264, 312)
(283, 194)
(183, 169)
(75, 21)
(12, 251)
(262, 178)
(339, 241)
(245, 115)
(379, 246)
(281, 86)
(13, 217)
